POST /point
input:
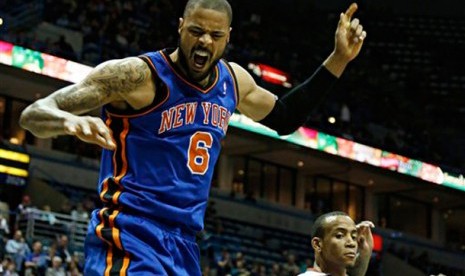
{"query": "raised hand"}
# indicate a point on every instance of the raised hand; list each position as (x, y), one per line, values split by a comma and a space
(349, 34)
(365, 247)
(365, 237)
(90, 130)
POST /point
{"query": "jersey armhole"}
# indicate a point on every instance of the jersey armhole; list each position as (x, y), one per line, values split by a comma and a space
(233, 75)
(161, 90)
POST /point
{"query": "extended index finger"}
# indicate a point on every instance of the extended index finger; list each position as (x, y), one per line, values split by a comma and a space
(351, 10)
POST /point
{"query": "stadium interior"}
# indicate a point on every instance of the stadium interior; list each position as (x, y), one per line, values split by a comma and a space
(403, 95)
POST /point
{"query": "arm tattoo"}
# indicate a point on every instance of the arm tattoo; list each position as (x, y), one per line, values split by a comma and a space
(110, 81)
(124, 77)
(115, 77)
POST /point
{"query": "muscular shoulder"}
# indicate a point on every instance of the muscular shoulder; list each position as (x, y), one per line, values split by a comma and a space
(120, 75)
(245, 82)
(130, 78)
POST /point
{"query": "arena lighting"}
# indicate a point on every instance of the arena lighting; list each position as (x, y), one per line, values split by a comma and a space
(14, 140)
(73, 72)
(377, 243)
(14, 156)
(270, 74)
(314, 139)
(14, 164)
(13, 171)
(41, 63)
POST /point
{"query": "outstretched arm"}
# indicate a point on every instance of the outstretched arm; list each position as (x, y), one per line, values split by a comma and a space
(365, 248)
(112, 81)
(292, 110)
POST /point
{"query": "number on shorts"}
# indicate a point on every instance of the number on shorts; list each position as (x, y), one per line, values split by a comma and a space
(198, 156)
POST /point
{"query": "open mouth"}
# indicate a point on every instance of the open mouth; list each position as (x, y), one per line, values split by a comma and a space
(200, 58)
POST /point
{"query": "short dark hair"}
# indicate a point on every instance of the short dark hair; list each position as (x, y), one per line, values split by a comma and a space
(318, 228)
(217, 5)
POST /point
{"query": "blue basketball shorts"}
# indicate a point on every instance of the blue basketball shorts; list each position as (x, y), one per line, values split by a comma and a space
(123, 244)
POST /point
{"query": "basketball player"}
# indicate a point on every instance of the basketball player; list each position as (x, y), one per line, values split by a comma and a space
(340, 246)
(164, 116)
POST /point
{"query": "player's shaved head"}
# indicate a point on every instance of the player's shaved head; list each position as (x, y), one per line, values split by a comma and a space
(319, 226)
(217, 5)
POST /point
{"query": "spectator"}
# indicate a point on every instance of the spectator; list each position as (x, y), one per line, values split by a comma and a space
(64, 49)
(57, 268)
(4, 227)
(65, 207)
(276, 270)
(239, 267)
(18, 249)
(63, 249)
(79, 213)
(306, 265)
(73, 268)
(36, 261)
(259, 269)
(4, 232)
(224, 263)
(25, 203)
(290, 267)
(48, 215)
(383, 222)
(9, 268)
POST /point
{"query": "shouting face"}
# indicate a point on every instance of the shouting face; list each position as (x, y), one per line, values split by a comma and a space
(204, 34)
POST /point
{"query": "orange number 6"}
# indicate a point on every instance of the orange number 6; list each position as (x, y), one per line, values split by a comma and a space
(198, 156)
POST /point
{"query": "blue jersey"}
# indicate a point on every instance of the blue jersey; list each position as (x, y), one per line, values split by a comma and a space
(165, 156)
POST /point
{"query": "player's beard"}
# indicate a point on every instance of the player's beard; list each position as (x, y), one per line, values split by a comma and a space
(184, 64)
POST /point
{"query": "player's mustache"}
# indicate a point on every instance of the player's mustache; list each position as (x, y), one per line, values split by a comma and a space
(201, 49)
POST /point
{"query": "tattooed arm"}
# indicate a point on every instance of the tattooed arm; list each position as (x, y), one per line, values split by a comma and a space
(126, 80)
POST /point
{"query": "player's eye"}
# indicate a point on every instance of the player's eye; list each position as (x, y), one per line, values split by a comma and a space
(196, 32)
(217, 36)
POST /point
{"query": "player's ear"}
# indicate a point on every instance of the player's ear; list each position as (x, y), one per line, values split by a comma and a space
(229, 34)
(316, 244)
(181, 22)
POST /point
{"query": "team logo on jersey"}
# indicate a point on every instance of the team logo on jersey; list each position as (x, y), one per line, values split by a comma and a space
(225, 88)
(185, 114)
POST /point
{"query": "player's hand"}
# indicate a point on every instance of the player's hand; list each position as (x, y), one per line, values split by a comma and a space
(349, 34)
(365, 237)
(90, 130)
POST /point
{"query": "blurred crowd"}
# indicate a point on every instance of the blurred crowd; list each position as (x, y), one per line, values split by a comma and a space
(422, 261)
(49, 254)
(372, 105)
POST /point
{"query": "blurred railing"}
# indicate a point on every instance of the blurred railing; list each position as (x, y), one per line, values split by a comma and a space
(47, 226)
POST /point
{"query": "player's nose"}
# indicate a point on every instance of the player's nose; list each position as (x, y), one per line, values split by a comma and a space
(351, 242)
(206, 39)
